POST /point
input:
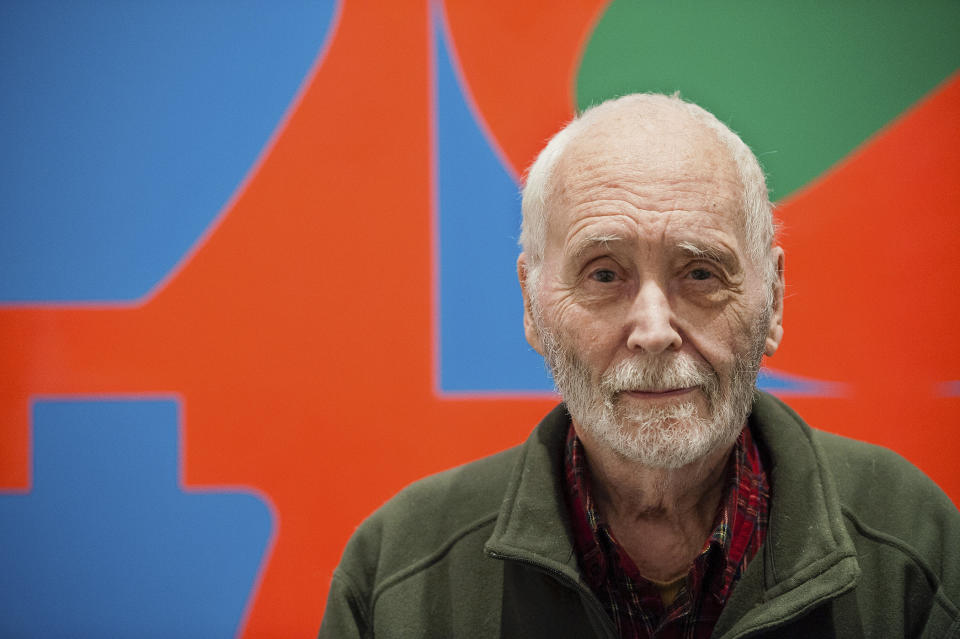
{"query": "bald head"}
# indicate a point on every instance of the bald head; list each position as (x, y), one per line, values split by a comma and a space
(655, 138)
(649, 131)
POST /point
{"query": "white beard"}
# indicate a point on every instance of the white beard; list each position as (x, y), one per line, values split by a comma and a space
(658, 437)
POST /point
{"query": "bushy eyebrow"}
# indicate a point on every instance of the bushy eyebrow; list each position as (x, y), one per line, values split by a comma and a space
(589, 243)
(712, 253)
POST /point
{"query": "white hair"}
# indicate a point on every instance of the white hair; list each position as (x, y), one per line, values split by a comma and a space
(658, 437)
(757, 211)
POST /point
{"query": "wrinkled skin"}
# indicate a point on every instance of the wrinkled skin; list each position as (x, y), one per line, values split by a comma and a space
(645, 261)
(645, 258)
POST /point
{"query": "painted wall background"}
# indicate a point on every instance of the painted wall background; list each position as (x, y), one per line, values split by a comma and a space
(257, 265)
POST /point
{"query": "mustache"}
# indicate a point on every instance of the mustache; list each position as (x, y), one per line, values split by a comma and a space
(659, 375)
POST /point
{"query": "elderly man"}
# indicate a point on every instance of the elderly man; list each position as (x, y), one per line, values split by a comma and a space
(665, 497)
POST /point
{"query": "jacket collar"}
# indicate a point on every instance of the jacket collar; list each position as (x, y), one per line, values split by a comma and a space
(807, 557)
(533, 525)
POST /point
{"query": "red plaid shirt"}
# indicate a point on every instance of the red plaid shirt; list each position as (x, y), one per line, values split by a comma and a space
(635, 604)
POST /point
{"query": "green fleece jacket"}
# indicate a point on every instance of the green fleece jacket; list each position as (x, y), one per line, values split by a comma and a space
(860, 544)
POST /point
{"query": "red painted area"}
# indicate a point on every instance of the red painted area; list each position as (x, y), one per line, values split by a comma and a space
(521, 60)
(299, 334)
(871, 245)
(872, 295)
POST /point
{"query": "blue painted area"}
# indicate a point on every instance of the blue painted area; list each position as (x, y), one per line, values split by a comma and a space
(126, 127)
(482, 346)
(949, 389)
(780, 383)
(107, 545)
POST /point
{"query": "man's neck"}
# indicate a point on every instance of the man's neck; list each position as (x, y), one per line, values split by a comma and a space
(661, 517)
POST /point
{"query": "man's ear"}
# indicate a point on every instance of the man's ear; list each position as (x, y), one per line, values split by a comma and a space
(775, 331)
(529, 326)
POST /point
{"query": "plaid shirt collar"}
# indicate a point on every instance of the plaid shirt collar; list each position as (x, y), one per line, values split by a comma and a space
(635, 604)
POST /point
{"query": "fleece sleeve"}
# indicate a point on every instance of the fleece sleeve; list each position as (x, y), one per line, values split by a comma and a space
(346, 614)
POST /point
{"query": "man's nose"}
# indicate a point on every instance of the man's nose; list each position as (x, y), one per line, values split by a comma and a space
(651, 321)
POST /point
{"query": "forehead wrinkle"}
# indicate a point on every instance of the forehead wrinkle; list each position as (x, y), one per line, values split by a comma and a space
(710, 207)
(626, 175)
(658, 190)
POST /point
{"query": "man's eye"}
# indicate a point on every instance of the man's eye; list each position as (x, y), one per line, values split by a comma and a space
(604, 275)
(700, 274)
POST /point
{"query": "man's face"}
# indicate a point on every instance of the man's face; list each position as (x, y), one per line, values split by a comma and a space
(648, 308)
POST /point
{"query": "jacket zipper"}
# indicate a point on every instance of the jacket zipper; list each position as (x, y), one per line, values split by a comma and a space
(566, 582)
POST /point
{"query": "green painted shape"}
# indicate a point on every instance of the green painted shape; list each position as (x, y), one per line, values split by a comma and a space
(804, 83)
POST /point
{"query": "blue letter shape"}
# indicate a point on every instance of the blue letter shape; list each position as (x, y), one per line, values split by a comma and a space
(107, 545)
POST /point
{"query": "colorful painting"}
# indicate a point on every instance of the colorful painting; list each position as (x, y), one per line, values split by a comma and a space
(258, 265)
